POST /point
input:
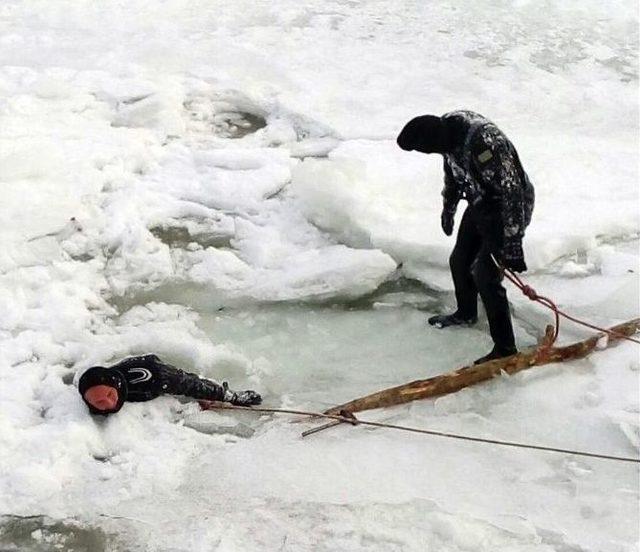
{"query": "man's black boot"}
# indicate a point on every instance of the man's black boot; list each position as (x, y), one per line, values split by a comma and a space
(445, 320)
(495, 354)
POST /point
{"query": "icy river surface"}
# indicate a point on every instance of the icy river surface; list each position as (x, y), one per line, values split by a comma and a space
(218, 182)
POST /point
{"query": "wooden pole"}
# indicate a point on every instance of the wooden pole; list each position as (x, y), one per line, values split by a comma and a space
(470, 375)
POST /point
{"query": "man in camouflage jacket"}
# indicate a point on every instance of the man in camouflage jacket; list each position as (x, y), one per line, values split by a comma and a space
(482, 166)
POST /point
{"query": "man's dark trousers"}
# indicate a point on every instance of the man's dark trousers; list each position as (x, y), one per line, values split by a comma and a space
(474, 272)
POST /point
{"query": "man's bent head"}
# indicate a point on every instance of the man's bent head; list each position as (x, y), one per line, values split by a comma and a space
(427, 134)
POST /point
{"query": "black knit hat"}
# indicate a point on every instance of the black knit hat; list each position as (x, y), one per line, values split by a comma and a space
(426, 133)
(98, 375)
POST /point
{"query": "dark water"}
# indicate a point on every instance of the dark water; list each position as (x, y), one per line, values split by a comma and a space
(42, 534)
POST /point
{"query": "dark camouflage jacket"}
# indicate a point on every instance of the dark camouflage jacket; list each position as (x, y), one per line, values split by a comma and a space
(486, 171)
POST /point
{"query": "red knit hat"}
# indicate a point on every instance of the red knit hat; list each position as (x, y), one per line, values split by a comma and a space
(102, 397)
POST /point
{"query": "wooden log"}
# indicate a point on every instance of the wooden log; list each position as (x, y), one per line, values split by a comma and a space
(470, 375)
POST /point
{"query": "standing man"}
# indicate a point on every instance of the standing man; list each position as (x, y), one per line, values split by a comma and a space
(482, 166)
(143, 378)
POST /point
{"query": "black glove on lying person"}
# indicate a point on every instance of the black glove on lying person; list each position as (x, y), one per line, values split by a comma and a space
(241, 398)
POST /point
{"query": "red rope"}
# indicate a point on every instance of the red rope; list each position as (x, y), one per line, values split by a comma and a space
(532, 294)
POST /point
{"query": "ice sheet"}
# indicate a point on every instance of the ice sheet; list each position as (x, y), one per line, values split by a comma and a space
(217, 182)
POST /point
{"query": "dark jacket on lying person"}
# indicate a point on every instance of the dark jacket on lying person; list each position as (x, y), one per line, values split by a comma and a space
(143, 378)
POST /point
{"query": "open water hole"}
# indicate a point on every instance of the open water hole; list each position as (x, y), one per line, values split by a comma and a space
(320, 356)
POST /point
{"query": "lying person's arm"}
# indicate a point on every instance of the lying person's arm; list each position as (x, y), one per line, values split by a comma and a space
(179, 382)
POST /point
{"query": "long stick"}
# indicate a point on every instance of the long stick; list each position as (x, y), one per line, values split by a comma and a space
(470, 375)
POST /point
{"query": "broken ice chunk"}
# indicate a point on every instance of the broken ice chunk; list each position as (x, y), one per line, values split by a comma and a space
(212, 423)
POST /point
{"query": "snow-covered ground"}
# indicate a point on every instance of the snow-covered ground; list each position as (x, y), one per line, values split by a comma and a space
(218, 182)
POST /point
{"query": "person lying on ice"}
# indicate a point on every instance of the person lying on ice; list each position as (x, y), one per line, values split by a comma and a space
(142, 378)
(482, 166)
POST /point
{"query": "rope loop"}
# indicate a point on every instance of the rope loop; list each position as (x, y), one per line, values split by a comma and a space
(530, 292)
(533, 295)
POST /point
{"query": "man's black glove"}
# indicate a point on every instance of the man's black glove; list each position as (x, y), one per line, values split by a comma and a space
(446, 221)
(512, 255)
(243, 398)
